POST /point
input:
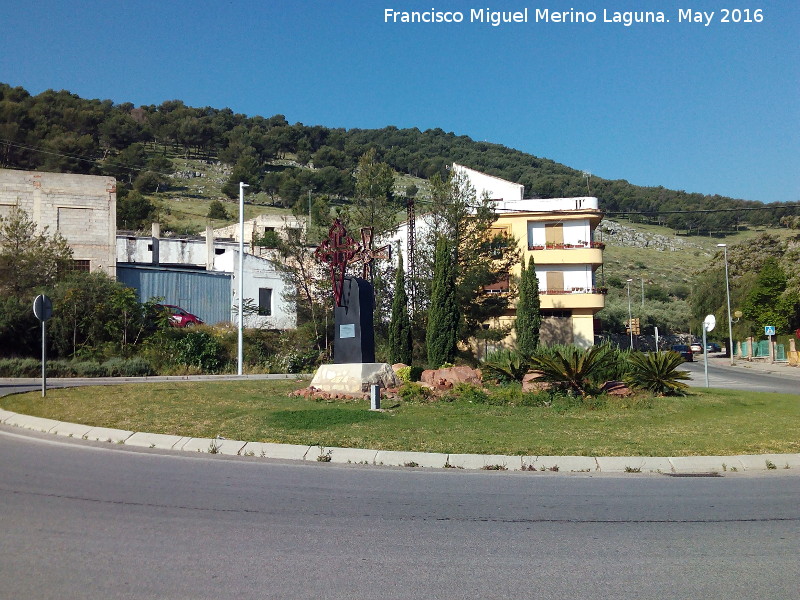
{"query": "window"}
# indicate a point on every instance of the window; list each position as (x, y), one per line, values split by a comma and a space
(80, 265)
(265, 302)
(555, 281)
(554, 234)
(499, 241)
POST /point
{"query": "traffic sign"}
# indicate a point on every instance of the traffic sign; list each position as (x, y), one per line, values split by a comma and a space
(43, 308)
(769, 330)
(710, 322)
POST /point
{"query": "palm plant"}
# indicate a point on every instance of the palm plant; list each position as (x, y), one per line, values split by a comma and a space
(506, 365)
(574, 369)
(657, 372)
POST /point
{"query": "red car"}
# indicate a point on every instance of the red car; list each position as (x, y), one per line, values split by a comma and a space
(179, 317)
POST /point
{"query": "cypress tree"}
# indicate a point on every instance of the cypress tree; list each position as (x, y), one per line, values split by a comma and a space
(443, 315)
(529, 318)
(400, 326)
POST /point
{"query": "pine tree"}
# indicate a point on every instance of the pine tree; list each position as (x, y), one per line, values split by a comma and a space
(400, 326)
(529, 318)
(443, 315)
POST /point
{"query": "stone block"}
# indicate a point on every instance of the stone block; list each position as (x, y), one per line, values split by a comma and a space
(282, 451)
(705, 464)
(156, 440)
(401, 459)
(32, 423)
(637, 464)
(342, 455)
(562, 464)
(481, 461)
(758, 462)
(106, 434)
(73, 430)
(214, 446)
(354, 378)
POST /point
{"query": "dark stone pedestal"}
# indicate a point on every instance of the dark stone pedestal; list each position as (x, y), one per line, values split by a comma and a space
(354, 338)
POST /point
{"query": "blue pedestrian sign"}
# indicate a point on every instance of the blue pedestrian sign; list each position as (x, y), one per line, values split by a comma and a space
(769, 330)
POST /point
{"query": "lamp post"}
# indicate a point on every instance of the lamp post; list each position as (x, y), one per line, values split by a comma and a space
(728, 297)
(630, 315)
(240, 353)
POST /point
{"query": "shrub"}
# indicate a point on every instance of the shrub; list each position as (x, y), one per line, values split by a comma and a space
(657, 372)
(87, 369)
(414, 392)
(20, 367)
(200, 349)
(505, 366)
(470, 393)
(173, 349)
(404, 374)
(130, 367)
(573, 369)
(216, 210)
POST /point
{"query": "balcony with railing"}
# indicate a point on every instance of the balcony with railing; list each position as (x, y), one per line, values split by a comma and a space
(571, 298)
(562, 246)
(580, 253)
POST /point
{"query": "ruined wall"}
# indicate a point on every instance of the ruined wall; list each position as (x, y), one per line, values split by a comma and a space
(82, 208)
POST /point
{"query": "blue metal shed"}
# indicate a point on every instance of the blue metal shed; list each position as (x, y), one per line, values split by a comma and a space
(202, 293)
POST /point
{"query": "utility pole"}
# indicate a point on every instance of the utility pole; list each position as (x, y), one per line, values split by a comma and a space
(642, 278)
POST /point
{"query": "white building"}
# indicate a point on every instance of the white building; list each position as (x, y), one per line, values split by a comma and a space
(256, 228)
(264, 285)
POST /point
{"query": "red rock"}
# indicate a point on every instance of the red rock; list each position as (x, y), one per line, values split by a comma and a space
(616, 388)
(447, 378)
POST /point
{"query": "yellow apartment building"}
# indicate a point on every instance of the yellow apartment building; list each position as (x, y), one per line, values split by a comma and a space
(559, 234)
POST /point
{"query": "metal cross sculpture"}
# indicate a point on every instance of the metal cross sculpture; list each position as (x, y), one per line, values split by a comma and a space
(367, 254)
(337, 252)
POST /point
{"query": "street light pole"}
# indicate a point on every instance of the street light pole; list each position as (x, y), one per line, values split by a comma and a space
(240, 353)
(728, 297)
(630, 314)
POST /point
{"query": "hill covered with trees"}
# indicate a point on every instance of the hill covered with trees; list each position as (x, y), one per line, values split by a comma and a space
(60, 131)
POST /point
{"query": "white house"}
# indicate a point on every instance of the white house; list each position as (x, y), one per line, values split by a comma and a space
(263, 285)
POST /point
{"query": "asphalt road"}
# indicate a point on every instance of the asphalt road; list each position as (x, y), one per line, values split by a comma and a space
(742, 378)
(87, 521)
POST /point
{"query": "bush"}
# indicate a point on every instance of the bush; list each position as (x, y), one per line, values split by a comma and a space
(20, 367)
(173, 350)
(85, 369)
(216, 210)
(470, 393)
(658, 372)
(130, 367)
(199, 349)
(414, 392)
(505, 366)
(404, 374)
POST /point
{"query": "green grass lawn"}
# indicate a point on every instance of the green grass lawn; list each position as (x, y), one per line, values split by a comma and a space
(708, 422)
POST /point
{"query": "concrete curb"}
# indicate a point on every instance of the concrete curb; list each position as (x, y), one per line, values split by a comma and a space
(680, 465)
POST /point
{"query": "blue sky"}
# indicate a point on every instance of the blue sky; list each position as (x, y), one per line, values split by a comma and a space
(704, 109)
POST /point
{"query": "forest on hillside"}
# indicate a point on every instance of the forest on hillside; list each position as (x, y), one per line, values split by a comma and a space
(62, 132)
